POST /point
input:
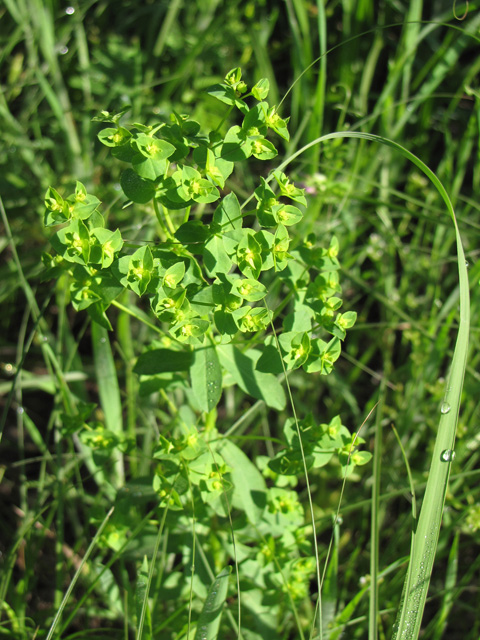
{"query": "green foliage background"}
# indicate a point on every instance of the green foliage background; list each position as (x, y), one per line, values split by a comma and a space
(402, 70)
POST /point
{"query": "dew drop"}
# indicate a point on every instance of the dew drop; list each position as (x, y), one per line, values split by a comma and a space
(467, 263)
(445, 408)
(447, 455)
(103, 340)
(70, 11)
(20, 410)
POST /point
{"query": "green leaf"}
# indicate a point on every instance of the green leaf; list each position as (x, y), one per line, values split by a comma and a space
(82, 205)
(217, 169)
(297, 348)
(202, 301)
(361, 457)
(193, 232)
(287, 214)
(288, 189)
(206, 377)
(174, 275)
(270, 360)
(322, 356)
(236, 146)
(233, 77)
(191, 330)
(254, 122)
(154, 148)
(106, 116)
(271, 249)
(136, 188)
(263, 149)
(300, 319)
(148, 168)
(241, 366)
(106, 373)
(284, 509)
(204, 191)
(261, 89)
(250, 289)
(114, 136)
(215, 257)
(125, 153)
(140, 270)
(56, 208)
(167, 193)
(73, 242)
(250, 490)
(228, 213)
(278, 124)
(227, 94)
(209, 620)
(163, 360)
(97, 313)
(250, 320)
(110, 243)
(225, 323)
(249, 256)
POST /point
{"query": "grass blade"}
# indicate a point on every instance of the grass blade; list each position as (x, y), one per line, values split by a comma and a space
(77, 574)
(209, 620)
(144, 617)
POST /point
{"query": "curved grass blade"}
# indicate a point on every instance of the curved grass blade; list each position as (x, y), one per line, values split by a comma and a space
(440, 622)
(102, 570)
(425, 537)
(78, 574)
(145, 580)
(209, 620)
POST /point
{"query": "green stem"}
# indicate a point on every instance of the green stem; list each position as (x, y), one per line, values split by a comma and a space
(160, 219)
(135, 314)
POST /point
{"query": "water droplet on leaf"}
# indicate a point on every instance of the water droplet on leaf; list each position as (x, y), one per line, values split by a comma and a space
(448, 455)
(445, 408)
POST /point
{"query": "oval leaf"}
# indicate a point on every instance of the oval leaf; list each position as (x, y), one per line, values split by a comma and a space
(206, 377)
(241, 366)
(136, 188)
